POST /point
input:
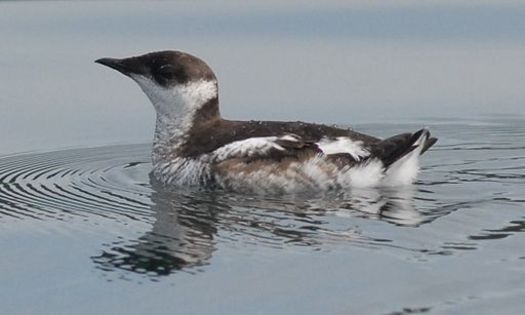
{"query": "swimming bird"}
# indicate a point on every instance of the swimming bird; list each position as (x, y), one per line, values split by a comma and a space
(194, 146)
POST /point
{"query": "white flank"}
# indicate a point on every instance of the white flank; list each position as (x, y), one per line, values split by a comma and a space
(369, 174)
(182, 171)
(316, 173)
(343, 145)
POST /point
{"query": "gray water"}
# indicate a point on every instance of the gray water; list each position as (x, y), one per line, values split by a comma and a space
(83, 230)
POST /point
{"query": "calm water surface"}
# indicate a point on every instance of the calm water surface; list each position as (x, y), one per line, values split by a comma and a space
(84, 231)
(85, 224)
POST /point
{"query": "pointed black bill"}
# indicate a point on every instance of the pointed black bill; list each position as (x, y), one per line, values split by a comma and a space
(127, 66)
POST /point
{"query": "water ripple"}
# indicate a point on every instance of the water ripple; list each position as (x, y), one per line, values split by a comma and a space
(81, 182)
(186, 226)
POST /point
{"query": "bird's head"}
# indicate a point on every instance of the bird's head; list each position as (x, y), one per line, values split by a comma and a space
(176, 83)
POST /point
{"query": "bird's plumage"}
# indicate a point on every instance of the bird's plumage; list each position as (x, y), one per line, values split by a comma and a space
(194, 145)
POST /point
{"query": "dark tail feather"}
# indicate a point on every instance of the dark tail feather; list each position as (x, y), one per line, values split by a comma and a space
(394, 148)
(428, 144)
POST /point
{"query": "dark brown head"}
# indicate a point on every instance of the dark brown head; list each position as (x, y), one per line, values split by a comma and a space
(177, 83)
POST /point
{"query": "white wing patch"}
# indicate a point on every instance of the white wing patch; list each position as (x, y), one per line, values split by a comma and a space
(343, 145)
(250, 147)
(290, 138)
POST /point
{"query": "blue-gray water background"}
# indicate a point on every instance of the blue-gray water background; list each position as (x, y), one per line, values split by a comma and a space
(83, 231)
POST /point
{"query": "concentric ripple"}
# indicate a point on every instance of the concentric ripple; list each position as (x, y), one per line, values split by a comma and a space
(107, 182)
(470, 173)
(112, 183)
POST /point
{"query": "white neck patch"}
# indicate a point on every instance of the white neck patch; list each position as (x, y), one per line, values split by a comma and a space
(179, 101)
(176, 107)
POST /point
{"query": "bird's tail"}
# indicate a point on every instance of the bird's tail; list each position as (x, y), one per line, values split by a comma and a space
(400, 154)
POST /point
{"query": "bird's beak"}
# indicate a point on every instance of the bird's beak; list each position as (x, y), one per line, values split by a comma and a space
(127, 66)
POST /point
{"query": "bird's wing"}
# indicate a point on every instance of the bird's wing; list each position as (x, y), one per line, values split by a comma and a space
(259, 148)
(342, 150)
(345, 151)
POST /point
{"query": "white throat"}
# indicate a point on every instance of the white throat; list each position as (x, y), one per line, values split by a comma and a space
(176, 107)
(180, 100)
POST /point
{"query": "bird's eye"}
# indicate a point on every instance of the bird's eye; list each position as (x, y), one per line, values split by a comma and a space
(167, 72)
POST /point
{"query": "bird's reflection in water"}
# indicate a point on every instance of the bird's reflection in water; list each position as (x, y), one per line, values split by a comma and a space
(181, 236)
(186, 224)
